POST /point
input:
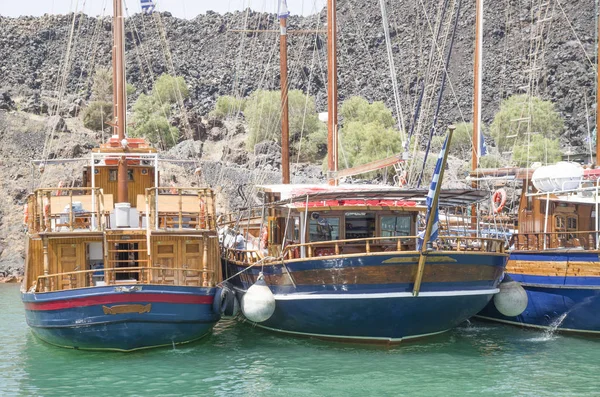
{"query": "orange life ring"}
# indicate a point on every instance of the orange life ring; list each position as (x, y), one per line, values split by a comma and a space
(264, 238)
(498, 200)
(202, 221)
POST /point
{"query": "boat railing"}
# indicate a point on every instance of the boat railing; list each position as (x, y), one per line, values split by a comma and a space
(585, 240)
(233, 218)
(158, 275)
(391, 244)
(65, 209)
(371, 245)
(179, 208)
(245, 256)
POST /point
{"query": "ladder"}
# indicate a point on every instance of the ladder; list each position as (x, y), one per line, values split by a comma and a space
(542, 14)
(126, 249)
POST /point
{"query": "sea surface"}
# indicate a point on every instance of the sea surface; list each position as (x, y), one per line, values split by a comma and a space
(476, 359)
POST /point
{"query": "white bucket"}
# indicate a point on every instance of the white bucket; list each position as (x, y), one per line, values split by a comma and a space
(122, 214)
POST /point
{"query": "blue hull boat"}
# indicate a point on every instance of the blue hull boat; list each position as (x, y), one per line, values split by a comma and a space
(122, 318)
(557, 298)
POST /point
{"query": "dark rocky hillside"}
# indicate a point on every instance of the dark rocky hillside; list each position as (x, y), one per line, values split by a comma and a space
(215, 61)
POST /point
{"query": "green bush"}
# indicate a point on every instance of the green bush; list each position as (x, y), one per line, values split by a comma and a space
(169, 89)
(368, 132)
(263, 115)
(359, 109)
(227, 106)
(545, 122)
(97, 115)
(544, 150)
(151, 112)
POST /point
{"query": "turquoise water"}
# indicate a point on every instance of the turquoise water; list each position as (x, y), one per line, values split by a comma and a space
(240, 360)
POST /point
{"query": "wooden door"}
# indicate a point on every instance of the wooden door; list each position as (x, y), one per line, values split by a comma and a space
(70, 259)
(192, 251)
(166, 259)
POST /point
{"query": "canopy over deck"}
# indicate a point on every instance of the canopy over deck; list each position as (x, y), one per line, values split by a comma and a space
(299, 193)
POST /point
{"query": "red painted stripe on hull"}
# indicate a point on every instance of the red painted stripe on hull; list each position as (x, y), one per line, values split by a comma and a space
(119, 298)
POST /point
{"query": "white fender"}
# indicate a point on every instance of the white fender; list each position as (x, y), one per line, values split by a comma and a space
(258, 303)
(512, 299)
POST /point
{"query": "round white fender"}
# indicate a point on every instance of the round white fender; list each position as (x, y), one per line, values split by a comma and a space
(258, 303)
(512, 299)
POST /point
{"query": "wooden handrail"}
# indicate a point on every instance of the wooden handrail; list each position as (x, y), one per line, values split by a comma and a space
(551, 240)
(108, 273)
(202, 219)
(445, 243)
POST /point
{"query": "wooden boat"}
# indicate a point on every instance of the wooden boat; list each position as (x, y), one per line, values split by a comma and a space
(555, 257)
(342, 263)
(129, 273)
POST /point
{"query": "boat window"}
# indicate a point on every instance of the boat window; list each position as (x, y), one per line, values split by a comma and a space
(324, 228)
(392, 225)
(113, 175)
(360, 225)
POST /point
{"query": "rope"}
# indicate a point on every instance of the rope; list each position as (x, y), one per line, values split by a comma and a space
(388, 45)
(260, 262)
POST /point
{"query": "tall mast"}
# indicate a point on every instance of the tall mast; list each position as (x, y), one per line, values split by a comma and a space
(332, 96)
(597, 92)
(477, 83)
(119, 94)
(285, 132)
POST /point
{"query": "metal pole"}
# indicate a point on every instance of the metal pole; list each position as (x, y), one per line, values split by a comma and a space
(285, 132)
(546, 219)
(332, 122)
(597, 207)
(93, 180)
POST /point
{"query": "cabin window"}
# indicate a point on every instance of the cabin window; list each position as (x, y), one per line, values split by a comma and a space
(567, 224)
(113, 175)
(392, 226)
(360, 225)
(324, 228)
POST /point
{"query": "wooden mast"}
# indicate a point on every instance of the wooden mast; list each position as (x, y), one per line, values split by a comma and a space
(598, 94)
(332, 122)
(477, 66)
(119, 94)
(285, 132)
(477, 83)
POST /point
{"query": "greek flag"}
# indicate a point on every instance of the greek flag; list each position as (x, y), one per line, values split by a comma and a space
(283, 9)
(147, 6)
(482, 145)
(429, 200)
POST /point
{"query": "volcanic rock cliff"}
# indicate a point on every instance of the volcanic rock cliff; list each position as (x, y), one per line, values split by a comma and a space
(215, 60)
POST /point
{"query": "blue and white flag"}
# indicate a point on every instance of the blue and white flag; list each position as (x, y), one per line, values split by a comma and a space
(283, 9)
(482, 146)
(147, 6)
(429, 200)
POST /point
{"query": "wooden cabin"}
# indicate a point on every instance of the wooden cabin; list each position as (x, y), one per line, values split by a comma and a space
(73, 240)
(345, 221)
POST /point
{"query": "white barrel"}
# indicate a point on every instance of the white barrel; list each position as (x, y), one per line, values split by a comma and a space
(122, 214)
